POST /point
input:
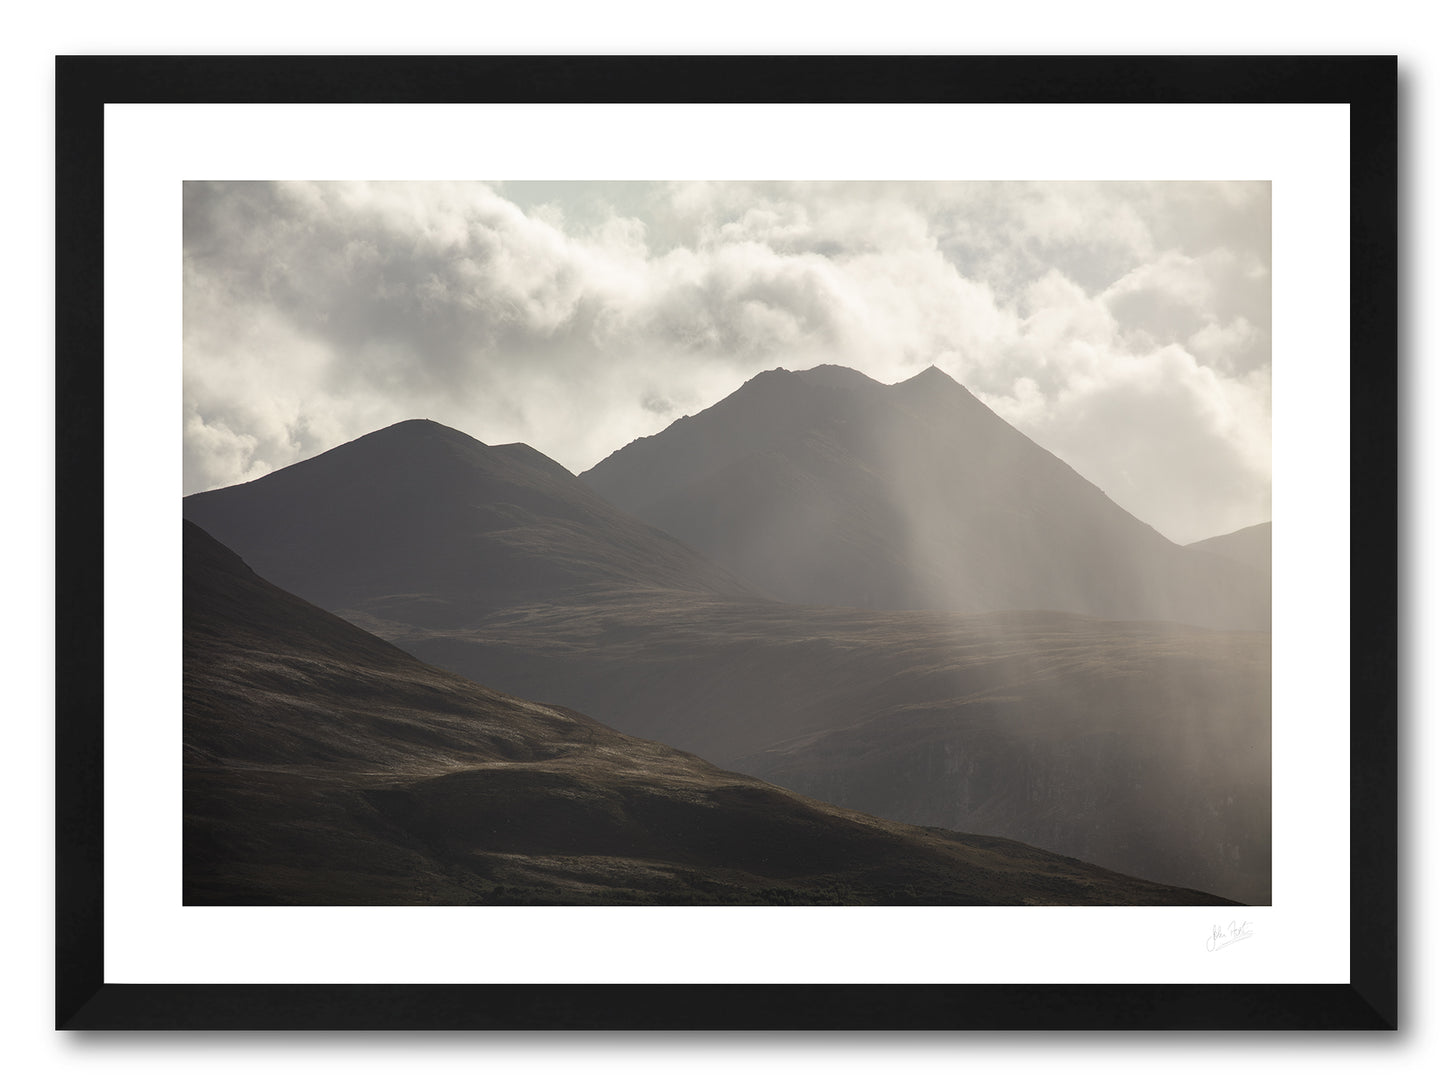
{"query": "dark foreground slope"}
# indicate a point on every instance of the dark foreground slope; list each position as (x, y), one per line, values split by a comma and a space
(323, 766)
(424, 522)
(826, 487)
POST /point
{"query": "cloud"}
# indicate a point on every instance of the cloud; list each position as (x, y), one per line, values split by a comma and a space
(1158, 432)
(577, 316)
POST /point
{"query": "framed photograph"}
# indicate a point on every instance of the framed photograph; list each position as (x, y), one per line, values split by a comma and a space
(661, 532)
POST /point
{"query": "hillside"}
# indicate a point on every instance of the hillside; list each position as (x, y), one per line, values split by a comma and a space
(324, 766)
(1251, 546)
(1143, 747)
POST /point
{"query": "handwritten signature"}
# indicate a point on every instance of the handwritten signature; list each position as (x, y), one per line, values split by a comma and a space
(1227, 936)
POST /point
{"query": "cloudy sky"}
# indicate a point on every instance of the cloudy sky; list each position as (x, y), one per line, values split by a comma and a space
(1123, 326)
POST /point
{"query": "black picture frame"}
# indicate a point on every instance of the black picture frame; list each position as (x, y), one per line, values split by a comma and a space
(84, 85)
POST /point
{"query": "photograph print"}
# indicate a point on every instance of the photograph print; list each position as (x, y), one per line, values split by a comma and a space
(727, 543)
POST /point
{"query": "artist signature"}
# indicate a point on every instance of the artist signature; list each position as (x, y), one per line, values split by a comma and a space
(1227, 936)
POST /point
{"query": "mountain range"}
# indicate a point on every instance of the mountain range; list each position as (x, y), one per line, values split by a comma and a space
(891, 601)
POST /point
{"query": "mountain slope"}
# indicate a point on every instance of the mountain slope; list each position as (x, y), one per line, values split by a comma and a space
(418, 518)
(323, 766)
(1251, 546)
(1143, 747)
(829, 488)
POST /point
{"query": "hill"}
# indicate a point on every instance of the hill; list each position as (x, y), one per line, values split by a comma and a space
(1143, 747)
(1251, 546)
(324, 766)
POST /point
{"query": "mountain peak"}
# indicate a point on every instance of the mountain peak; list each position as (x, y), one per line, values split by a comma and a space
(836, 376)
(932, 377)
(820, 376)
(418, 425)
(420, 429)
(426, 444)
(933, 390)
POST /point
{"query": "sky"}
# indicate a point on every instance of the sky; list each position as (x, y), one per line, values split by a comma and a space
(1124, 326)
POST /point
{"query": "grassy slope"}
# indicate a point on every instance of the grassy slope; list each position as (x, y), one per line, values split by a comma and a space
(1140, 746)
(323, 766)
